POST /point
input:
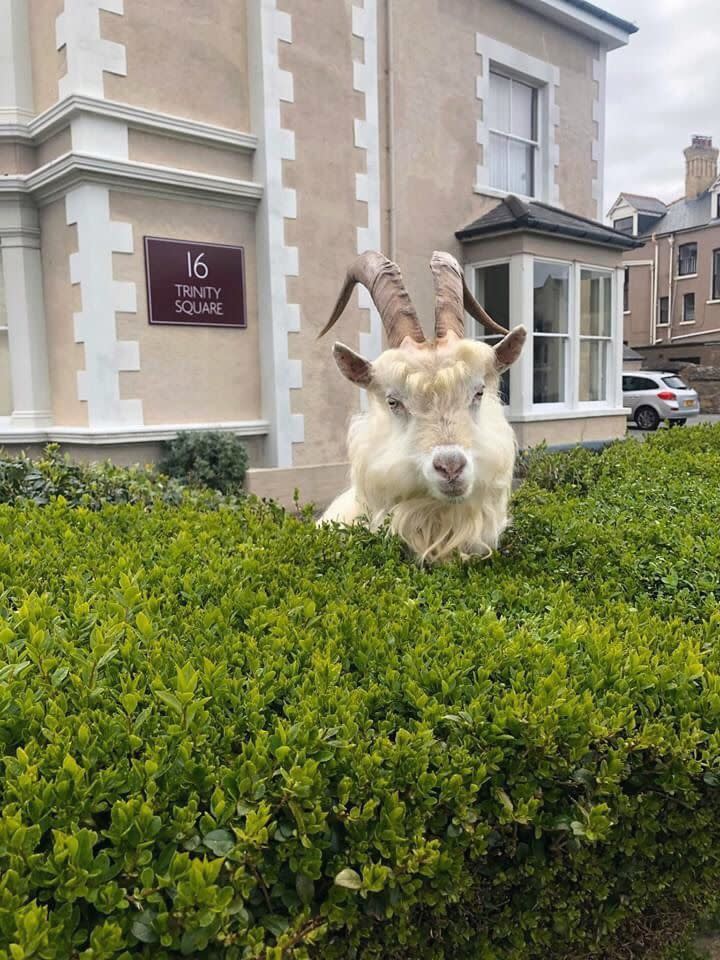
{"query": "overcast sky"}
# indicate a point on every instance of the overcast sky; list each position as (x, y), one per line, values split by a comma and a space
(662, 88)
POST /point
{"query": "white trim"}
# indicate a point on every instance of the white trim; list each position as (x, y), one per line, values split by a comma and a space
(367, 184)
(272, 86)
(685, 276)
(546, 77)
(140, 434)
(698, 333)
(102, 297)
(581, 21)
(16, 87)
(599, 73)
(568, 414)
(25, 310)
(712, 301)
(39, 128)
(88, 54)
(55, 178)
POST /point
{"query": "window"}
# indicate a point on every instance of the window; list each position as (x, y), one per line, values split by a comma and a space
(687, 259)
(626, 290)
(624, 225)
(715, 295)
(513, 134)
(492, 289)
(663, 312)
(675, 383)
(550, 326)
(5, 391)
(634, 384)
(595, 335)
(688, 308)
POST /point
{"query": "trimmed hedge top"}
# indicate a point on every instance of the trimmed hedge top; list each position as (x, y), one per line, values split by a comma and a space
(227, 734)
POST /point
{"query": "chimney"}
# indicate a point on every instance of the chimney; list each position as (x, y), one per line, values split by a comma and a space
(700, 166)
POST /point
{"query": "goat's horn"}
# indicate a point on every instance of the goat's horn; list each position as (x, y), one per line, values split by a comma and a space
(452, 298)
(383, 280)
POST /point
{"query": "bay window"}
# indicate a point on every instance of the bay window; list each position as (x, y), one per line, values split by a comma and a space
(573, 313)
(492, 289)
(551, 283)
(595, 334)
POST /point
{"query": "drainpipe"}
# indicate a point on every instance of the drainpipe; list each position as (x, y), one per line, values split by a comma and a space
(671, 264)
(390, 125)
(654, 293)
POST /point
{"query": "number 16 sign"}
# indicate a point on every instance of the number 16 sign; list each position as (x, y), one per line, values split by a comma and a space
(195, 284)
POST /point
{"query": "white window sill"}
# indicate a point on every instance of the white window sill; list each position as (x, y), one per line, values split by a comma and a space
(686, 323)
(686, 276)
(502, 194)
(663, 325)
(707, 301)
(626, 313)
(576, 413)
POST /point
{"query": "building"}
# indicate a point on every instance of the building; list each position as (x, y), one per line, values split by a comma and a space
(672, 282)
(183, 185)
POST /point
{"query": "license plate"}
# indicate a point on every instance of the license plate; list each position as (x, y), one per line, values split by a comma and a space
(689, 403)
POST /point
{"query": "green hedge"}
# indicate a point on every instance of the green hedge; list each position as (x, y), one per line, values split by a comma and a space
(226, 734)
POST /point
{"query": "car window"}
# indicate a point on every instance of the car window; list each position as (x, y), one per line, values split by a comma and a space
(675, 382)
(638, 383)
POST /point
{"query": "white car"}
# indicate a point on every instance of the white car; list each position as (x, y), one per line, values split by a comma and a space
(653, 396)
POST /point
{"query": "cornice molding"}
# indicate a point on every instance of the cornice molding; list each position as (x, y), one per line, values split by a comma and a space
(36, 129)
(53, 180)
(139, 434)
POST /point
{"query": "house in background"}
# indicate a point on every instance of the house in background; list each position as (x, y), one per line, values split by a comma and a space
(672, 282)
(174, 229)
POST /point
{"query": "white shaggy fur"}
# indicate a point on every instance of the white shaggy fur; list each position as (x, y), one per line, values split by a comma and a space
(426, 402)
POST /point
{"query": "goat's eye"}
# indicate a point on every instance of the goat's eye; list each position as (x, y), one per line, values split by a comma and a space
(395, 405)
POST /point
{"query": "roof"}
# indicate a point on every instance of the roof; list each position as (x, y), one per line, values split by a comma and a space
(605, 15)
(629, 354)
(515, 214)
(587, 19)
(684, 214)
(643, 204)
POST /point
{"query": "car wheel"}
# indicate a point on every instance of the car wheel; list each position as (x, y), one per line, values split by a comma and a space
(647, 418)
(678, 423)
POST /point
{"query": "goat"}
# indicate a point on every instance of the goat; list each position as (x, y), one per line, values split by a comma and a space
(433, 453)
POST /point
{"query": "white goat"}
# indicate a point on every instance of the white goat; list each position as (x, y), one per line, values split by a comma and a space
(434, 452)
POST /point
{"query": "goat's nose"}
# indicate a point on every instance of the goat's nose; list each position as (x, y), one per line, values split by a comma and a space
(450, 463)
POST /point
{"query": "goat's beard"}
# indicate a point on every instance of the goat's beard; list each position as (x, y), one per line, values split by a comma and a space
(390, 486)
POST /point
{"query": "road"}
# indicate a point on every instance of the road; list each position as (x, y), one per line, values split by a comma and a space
(633, 431)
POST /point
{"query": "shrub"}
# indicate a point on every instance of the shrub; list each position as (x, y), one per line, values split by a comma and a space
(209, 458)
(227, 734)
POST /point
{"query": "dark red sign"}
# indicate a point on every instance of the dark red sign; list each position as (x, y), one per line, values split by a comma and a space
(196, 284)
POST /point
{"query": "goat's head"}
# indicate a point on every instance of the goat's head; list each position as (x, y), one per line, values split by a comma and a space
(433, 404)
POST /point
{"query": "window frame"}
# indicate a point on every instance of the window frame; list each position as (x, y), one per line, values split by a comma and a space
(715, 274)
(626, 291)
(609, 339)
(660, 322)
(567, 401)
(508, 136)
(692, 260)
(631, 220)
(685, 300)
(484, 336)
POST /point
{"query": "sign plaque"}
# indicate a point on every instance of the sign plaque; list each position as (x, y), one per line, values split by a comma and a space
(195, 284)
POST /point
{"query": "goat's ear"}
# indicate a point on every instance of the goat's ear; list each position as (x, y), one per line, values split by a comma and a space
(352, 366)
(508, 350)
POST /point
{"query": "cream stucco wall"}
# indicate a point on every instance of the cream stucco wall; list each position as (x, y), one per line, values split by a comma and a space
(574, 430)
(188, 374)
(16, 158)
(172, 152)
(61, 300)
(436, 111)
(48, 63)
(54, 147)
(188, 59)
(323, 172)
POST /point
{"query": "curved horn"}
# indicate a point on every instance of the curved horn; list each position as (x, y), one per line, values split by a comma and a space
(448, 283)
(452, 298)
(382, 278)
